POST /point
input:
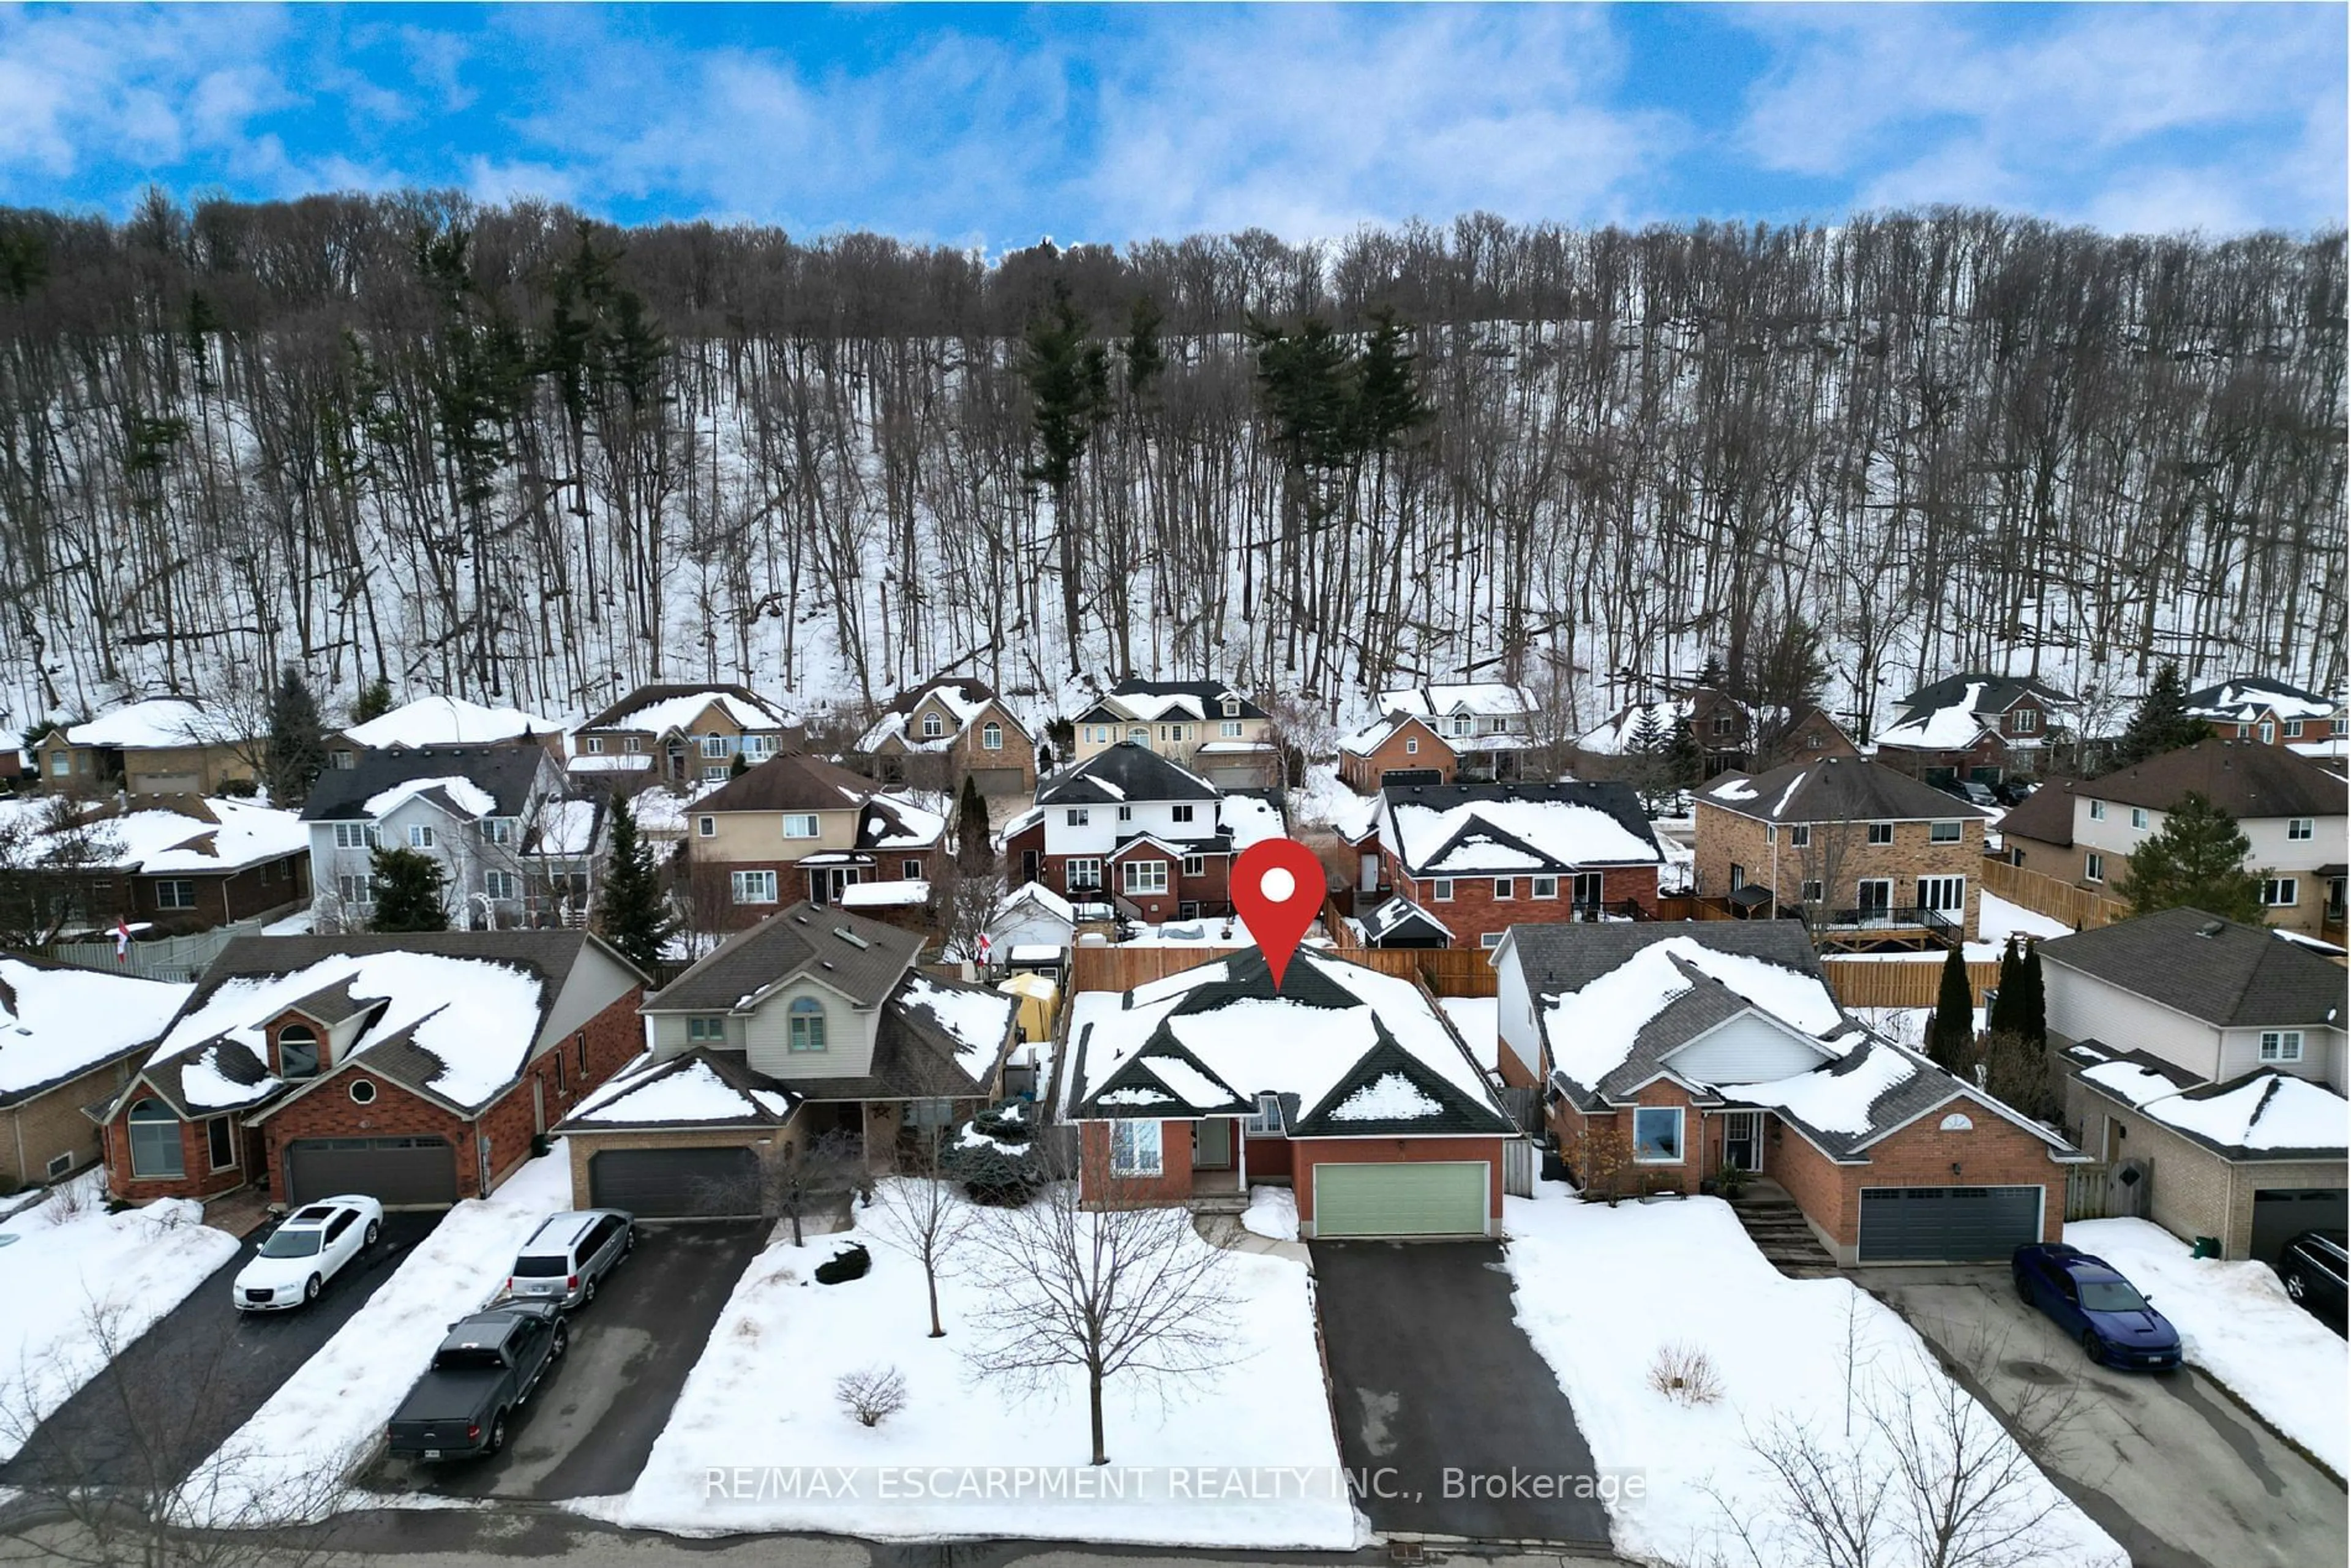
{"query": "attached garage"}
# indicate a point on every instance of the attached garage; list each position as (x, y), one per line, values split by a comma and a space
(1947, 1224)
(399, 1173)
(1412, 776)
(1000, 780)
(675, 1184)
(2281, 1214)
(1449, 1197)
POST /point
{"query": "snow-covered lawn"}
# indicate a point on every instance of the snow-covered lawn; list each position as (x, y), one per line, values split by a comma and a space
(2236, 1322)
(325, 1419)
(76, 1287)
(1996, 917)
(1600, 1291)
(760, 1403)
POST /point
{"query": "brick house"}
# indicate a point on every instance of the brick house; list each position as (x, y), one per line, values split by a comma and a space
(1815, 737)
(418, 1068)
(1868, 855)
(1721, 728)
(1476, 859)
(947, 730)
(798, 827)
(1209, 727)
(172, 863)
(1489, 724)
(1977, 726)
(1399, 749)
(2273, 713)
(68, 1039)
(683, 733)
(163, 745)
(813, 1024)
(1348, 1086)
(2290, 808)
(1130, 826)
(1670, 1051)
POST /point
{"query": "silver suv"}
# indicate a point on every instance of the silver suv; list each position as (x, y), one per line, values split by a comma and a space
(568, 1255)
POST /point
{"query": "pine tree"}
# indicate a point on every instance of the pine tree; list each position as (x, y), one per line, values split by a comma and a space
(408, 893)
(1951, 1034)
(2162, 722)
(375, 701)
(1685, 763)
(1068, 394)
(632, 915)
(974, 849)
(2032, 1012)
(296, 751)
(2005, 1002)
(1650, 745)
(2197, 861)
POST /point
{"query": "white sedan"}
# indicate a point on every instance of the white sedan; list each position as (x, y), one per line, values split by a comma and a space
(308, 1247)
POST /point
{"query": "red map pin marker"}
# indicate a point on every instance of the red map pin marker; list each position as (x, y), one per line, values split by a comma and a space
(1278, 887)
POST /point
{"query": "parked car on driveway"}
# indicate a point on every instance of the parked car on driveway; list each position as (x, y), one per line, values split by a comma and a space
(486, 1369)
(568, 1256)
(2091, 1301)
(2312, 1265)
(1973, 793)
(310, 1246)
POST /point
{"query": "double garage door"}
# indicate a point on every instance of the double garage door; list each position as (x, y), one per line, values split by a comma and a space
(1947, 1224)
(399, 1172)
(1432, 1198)
(675, 1184)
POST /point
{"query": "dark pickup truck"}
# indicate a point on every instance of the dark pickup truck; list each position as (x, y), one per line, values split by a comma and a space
(483, 1372)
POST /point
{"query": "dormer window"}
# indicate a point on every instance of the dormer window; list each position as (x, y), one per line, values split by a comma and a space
(1232, 707)
(932, 728)
(298, 1052)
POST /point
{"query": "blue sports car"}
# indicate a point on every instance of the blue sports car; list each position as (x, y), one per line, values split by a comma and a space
(2091, 1301)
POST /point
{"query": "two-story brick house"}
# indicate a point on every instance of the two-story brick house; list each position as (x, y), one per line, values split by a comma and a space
(684, 734)
(947, 730)
(2274, 713)
(1474, 859)
(2291, 810)
(416, 1068)
(162, 746)
(798, 827)
(1130, 827)
(1977, 726)
(1489, 724)
(1869, 856)
(1208, 727)
(1722, 730)
(1397, 749)
(514, 846)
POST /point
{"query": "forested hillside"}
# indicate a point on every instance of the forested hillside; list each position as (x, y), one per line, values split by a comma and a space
(501, 453)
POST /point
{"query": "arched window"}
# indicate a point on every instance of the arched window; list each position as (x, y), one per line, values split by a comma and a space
(991, 737)
(298, 1052)
(155, 1141)
(805, 1016)
(931, 726)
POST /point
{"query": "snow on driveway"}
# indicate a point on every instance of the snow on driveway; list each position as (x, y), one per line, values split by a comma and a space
(2236, 1322)
(1683, 1273)
(760, 1406)
(62, 1275)
(327, 1416)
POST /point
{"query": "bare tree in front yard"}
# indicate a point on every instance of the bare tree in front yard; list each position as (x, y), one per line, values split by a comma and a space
(927, 1217)
(788, 1181)
(1127, 1291)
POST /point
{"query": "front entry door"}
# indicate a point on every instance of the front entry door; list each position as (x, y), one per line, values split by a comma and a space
(1212, 1145)
(1742, 1140)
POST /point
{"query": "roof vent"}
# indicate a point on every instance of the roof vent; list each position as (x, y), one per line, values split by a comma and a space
(851, 937)
(2211, 928)
(824, 963)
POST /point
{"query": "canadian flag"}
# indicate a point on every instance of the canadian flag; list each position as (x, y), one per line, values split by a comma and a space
(121, 941)
(986, 948)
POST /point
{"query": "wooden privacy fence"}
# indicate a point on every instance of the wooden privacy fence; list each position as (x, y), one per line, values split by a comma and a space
(1447, 971)
(2077, 906)
(1898, 982)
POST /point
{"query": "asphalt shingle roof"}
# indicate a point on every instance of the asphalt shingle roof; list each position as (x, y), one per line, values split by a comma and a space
(1999, 694)
(506, 773)
(791, 782)
(1835, 789)
(805, 937)
(2243, 777)
(2227, 974)
(1124, 773)
(647, 696)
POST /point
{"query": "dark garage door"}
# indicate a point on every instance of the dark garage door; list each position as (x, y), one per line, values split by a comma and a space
(397, 1172)
(1947, 1224)
(2283, 1213)
(1413, 775)
(998, 780)
(675, 1184)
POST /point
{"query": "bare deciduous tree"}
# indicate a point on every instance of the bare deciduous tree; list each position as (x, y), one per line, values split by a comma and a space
(924, 1216)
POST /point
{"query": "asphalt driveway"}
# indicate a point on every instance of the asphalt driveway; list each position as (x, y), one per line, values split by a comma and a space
(590, 1428)
(2167, 1463)
(1449, 1421)
(198, 1375)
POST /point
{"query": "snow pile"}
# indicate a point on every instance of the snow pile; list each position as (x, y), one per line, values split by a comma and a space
(71, 1285)
(461, 793)
(55, 1023)
(1685, 1274)
(1272, 1213)
(2236, 1322)
(763, 1393)
(1391, 1097)
(331, 1412)
(157, 722)
(448, 721)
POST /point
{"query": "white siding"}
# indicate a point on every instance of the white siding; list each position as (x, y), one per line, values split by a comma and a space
(2322, 1055)
(2271, 849)
(1103, 829)
(1514, 1014)
(1028, 924)
(1749, 1049)
(669, 1035)
(2083, 1007)
(597, 980)
(847, 1034)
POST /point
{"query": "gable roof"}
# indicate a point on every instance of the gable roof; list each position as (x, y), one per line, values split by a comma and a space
(1350, 1051)
(57, 1022)
(2045, 815)
(1149, 701)
(1835, 789)
(2224, 974)
(791, 781)
(1948, 714)
(802, 939)
(1486, 699)
(161, 835)
(964, 699)
(1120, 775)
(1401, 915)
(1373, 736)
(2264, 1115)
(155, 724)
(2246, 698)
(504, 774)
(1478, 829)
(700, 1088)
(2243, 778)
(448, 721)
(661, 706)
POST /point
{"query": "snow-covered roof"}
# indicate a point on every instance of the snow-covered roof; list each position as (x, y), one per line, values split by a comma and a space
(214, 836)
(1617, 737)
(690, 1089)
(55, 1023)
(962, 702)
(448, 721)
(1248, 819)
(1373, 736)
(1486, 699)
(461, 793)
(156, 722)
(564, 828)
(893, 821)
(1500, 830)
(2248, 698)
(674, 709)
(974, 1018)
(2264, 1114)
(611, 762)
(1044, 898)
(898, 895)
(1951, 728)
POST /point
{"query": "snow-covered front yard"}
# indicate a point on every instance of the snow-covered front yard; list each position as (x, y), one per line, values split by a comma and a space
(78, 1284)
(759, 1408)
(2236, 1322)
(1600, 1291)
(324, 1418)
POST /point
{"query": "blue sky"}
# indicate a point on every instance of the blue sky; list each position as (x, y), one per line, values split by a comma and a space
(991, 126)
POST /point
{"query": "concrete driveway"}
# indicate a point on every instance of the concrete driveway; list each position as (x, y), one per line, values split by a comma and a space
(2167, 1463)
(1431, 1375)
(591, 1426)
(199, 1374)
